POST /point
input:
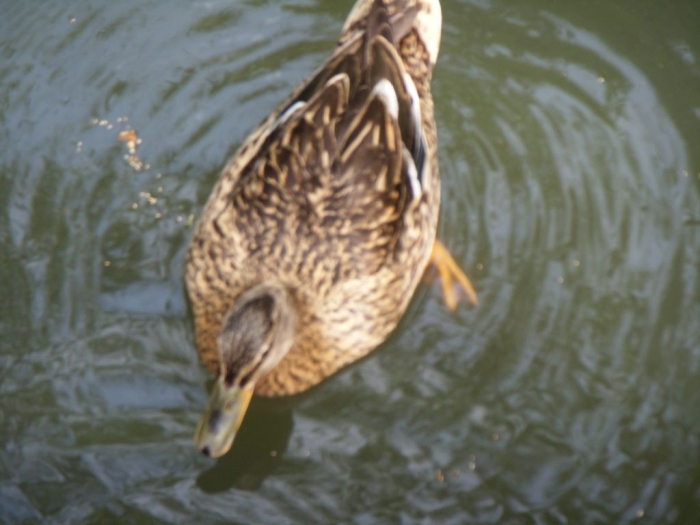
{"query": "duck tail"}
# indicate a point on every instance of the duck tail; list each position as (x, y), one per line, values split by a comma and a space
(399, 17)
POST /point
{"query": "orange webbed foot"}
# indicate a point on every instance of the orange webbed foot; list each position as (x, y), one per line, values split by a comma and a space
(452, 277)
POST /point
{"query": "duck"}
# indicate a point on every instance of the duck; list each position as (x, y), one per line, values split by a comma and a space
(323, 223)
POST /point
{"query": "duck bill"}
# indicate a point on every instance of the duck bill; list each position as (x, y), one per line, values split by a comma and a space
(222, 419)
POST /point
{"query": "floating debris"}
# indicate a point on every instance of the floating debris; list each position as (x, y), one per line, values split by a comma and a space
(134, 162)
(150, 198)
(131, 138)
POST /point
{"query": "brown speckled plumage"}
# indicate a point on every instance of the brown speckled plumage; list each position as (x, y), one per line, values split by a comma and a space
(318, 199)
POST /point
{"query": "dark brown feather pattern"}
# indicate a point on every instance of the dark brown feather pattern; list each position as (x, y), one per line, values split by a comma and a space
(319, 198)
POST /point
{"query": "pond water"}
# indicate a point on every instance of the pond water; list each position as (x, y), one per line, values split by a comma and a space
(570, 152)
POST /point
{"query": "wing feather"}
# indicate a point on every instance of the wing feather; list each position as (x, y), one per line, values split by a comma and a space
(349, 141)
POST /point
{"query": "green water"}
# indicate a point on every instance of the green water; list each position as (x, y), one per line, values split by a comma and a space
(570, 153)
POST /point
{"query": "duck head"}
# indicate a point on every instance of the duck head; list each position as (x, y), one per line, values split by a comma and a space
(256, 334)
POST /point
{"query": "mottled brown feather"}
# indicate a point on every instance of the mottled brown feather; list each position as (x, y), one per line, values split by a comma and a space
(318, 199)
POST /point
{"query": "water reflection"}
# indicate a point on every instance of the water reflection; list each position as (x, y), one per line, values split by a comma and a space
(572, 195)
(576, 182)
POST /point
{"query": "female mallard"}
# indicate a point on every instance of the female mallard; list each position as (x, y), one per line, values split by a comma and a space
(316, 235)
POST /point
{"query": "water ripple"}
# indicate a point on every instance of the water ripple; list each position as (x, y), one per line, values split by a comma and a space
(571, 196)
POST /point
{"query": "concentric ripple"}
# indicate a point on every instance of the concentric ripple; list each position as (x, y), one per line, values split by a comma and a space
(571, 195)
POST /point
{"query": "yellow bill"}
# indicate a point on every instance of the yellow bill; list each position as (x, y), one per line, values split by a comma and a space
(222, 419)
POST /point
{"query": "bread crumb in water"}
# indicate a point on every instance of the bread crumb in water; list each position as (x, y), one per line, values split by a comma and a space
(131, 138)
(150, 198)
(134, 162)
(128, 135)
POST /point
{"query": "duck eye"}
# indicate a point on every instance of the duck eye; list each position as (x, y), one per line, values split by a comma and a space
(230, 376)
(246, 378)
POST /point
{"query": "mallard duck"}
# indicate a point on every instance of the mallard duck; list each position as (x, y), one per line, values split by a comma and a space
(321, 226)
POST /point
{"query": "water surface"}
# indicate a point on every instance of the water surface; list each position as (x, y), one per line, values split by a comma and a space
(569, 138)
